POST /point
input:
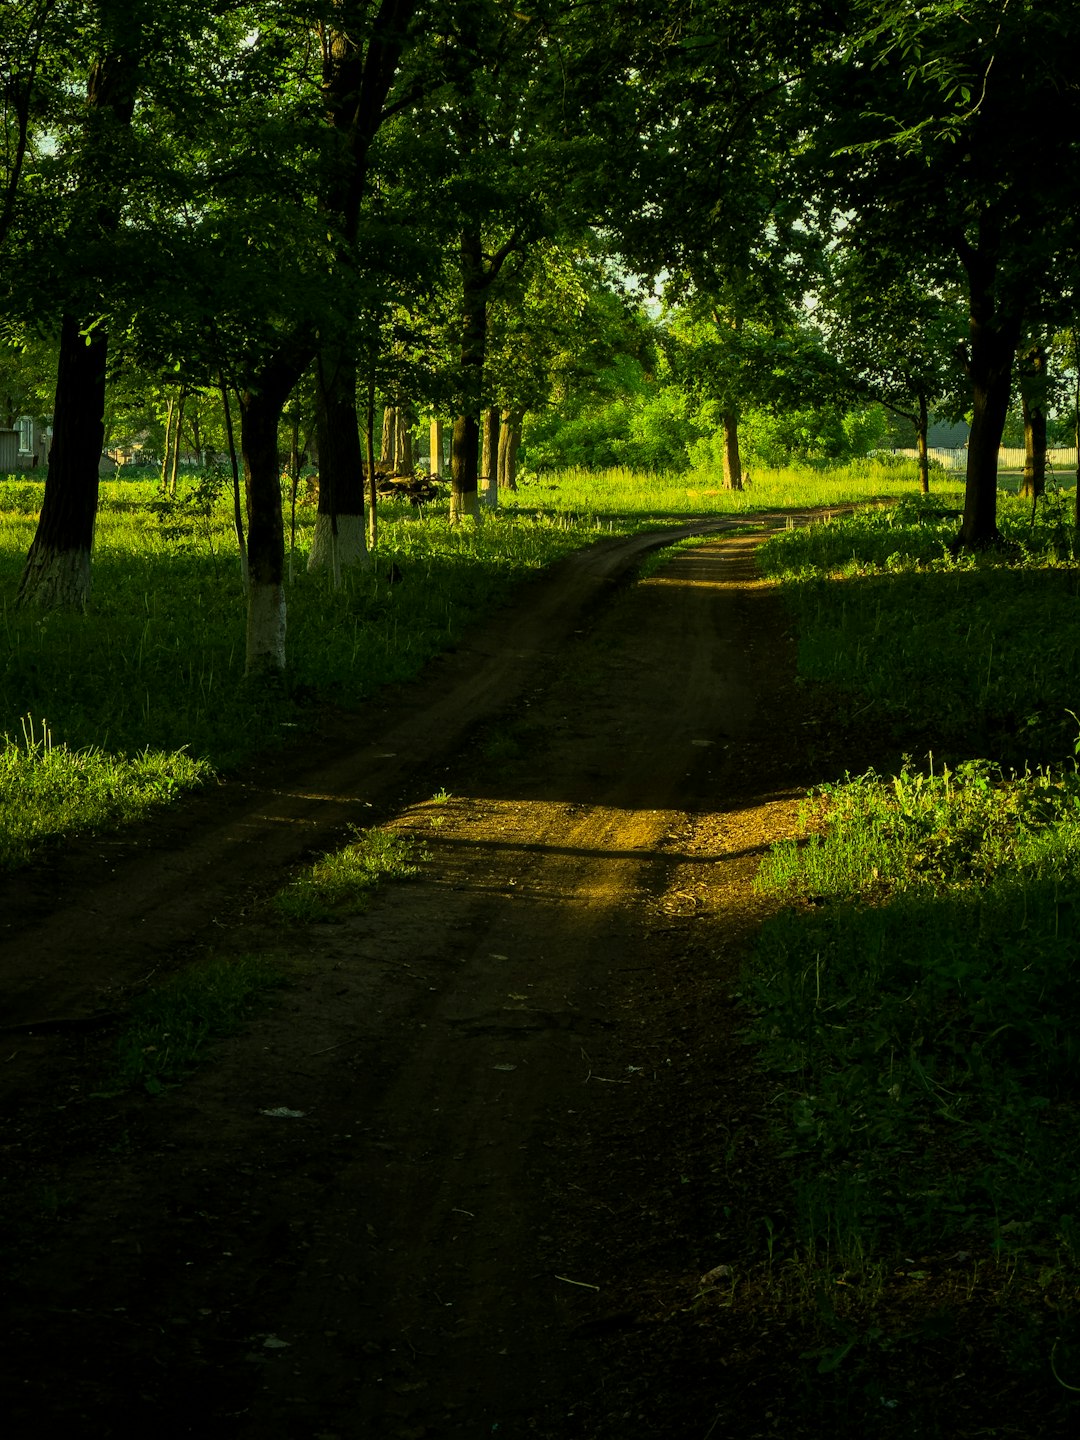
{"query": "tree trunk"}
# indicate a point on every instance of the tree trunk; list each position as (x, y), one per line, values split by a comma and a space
(509, 444)
(732, 459)
(489, 457)
(992, 345)
(1033, 401)
(372, 492)
(177, 431)
(922, 428)
(464, 468)
(238, 519)
(260, 416)
(166, 449)
(436, 433)
(465, 457)
(339, 541)
(404, 461)
(389, 433)
(57, 571)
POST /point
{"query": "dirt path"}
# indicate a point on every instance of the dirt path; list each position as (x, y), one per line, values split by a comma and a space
(522, 1103)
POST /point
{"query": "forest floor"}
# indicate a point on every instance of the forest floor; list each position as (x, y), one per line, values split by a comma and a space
(516, 1121)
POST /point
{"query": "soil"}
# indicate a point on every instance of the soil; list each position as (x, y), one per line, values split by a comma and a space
(463, 1174)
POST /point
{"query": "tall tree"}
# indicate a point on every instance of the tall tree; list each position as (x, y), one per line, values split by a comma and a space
(936, 140)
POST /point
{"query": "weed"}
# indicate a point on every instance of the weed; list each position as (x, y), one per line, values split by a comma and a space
(342, 882)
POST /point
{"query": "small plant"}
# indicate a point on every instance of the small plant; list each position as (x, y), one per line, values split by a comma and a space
(341, 883)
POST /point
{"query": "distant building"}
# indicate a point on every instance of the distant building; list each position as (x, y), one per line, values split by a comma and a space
(942, 435)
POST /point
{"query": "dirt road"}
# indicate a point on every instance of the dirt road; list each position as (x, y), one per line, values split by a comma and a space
(522, 1124)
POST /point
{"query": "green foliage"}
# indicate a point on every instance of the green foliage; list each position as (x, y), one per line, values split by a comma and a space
(171, 1025)
(47, 790)
(341, 883)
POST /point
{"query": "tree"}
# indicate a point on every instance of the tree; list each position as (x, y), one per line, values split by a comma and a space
(936, 141)
(896, 331)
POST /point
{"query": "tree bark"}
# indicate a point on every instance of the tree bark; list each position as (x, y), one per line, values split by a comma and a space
(464, 467)
(387, 444)
(732, 459)
(509, 444)
(993, 337)
(57, 571)
(465, 456)
(339, 541)
(489, 457)
(922, 428)
(1033, 402)
(260, 416)
(436, 433)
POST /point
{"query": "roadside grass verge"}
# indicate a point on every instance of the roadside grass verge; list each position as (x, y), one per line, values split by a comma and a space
(171, 1026)
(47, 790)
(342, 883)
(916, 1003)
(972, 656)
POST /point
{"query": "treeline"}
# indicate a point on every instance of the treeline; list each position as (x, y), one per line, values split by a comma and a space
(338, 209)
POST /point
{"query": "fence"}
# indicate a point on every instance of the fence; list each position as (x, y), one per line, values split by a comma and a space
(1060, 461)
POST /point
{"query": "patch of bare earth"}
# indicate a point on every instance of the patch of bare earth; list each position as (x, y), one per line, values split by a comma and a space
(522, 1124)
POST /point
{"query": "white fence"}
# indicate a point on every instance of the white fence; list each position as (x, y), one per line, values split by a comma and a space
(1061, 460)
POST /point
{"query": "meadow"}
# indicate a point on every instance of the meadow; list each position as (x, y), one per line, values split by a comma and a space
(107, 714)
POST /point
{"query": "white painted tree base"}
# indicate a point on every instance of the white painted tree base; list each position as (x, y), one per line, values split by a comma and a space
(343, 551)
(464, 507)
(56, 580)
(265, 630)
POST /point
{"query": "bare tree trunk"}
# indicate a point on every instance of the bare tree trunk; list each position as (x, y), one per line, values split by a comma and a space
(260, 415)
(993, 338)
(166, 450)
(922, 428)
(372, 492)
(404, 462)
(733, 479)
(177, 430)
(389, 434)
(339, 526)
(1033, 403)
(436, 433)
(509, 444)
(465, 458)
(57, 571)
(489, 457)
(238, 519)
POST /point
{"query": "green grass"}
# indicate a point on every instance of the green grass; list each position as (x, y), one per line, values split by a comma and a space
(171, 1026)
(974, 656)
(341, 883)
(48, 791)
(635, 500)
(916, 1001)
